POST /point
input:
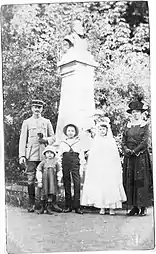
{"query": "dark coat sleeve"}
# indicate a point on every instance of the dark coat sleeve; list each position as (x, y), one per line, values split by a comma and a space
(144, 141)
(125, 149)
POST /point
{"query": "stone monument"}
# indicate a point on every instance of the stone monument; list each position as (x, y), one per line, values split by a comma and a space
(76, 67)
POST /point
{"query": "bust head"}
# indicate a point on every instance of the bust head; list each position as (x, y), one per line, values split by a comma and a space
(78, 28)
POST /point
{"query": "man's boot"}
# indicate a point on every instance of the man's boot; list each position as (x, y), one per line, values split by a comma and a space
(55, 206)
(31, 208)
(41, 211)
(49, 208)
(31, 193)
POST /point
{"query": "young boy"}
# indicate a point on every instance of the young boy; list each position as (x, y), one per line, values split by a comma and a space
(71, 156)
(47, 181)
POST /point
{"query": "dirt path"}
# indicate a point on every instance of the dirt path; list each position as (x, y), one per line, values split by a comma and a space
(72, 232)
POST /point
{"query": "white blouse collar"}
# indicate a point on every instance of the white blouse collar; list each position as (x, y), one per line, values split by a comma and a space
(141, 123)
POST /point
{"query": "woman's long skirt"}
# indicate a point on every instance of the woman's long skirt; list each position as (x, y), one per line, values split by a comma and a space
(137, 176)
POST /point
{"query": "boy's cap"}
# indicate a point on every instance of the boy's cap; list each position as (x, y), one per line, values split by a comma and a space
(37, 103)
(71, 125)
(49, 148)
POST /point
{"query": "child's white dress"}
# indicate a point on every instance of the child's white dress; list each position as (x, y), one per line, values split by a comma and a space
(103, 186)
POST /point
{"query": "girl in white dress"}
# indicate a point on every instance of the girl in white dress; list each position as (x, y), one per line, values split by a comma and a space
(103, 186)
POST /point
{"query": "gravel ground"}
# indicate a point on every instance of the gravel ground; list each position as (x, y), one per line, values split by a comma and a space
(72, 232)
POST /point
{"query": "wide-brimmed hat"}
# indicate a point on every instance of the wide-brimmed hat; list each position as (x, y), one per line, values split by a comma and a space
(49, 148)
(136, 105)
(72, 125)
(37, 103)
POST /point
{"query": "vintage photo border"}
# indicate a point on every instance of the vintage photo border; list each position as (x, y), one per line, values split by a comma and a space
(152, 18)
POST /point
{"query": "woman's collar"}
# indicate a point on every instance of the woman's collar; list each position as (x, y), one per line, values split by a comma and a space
(142, 123)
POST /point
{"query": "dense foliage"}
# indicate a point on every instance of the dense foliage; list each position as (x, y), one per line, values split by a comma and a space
(32, 44)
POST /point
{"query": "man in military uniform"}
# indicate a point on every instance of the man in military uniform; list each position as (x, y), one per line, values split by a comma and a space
(36, 133)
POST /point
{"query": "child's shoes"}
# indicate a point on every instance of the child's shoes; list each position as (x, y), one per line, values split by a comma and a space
(102, 211)
(112, 212)
(41, 211)
(49, 208)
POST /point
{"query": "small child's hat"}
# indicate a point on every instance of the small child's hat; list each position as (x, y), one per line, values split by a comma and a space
(49, 148)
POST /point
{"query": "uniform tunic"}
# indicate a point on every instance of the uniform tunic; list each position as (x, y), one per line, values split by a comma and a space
(137, 167)
(29, 145)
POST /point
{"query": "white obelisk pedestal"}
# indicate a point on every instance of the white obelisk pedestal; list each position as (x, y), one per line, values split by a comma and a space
(77, 104)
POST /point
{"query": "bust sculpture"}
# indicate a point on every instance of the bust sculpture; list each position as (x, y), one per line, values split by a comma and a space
(76, 39)
(78, 46)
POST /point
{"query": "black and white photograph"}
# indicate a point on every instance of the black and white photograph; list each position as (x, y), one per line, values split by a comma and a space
(77, 123)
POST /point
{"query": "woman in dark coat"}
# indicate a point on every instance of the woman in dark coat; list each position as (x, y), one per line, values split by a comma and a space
(136, 166)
